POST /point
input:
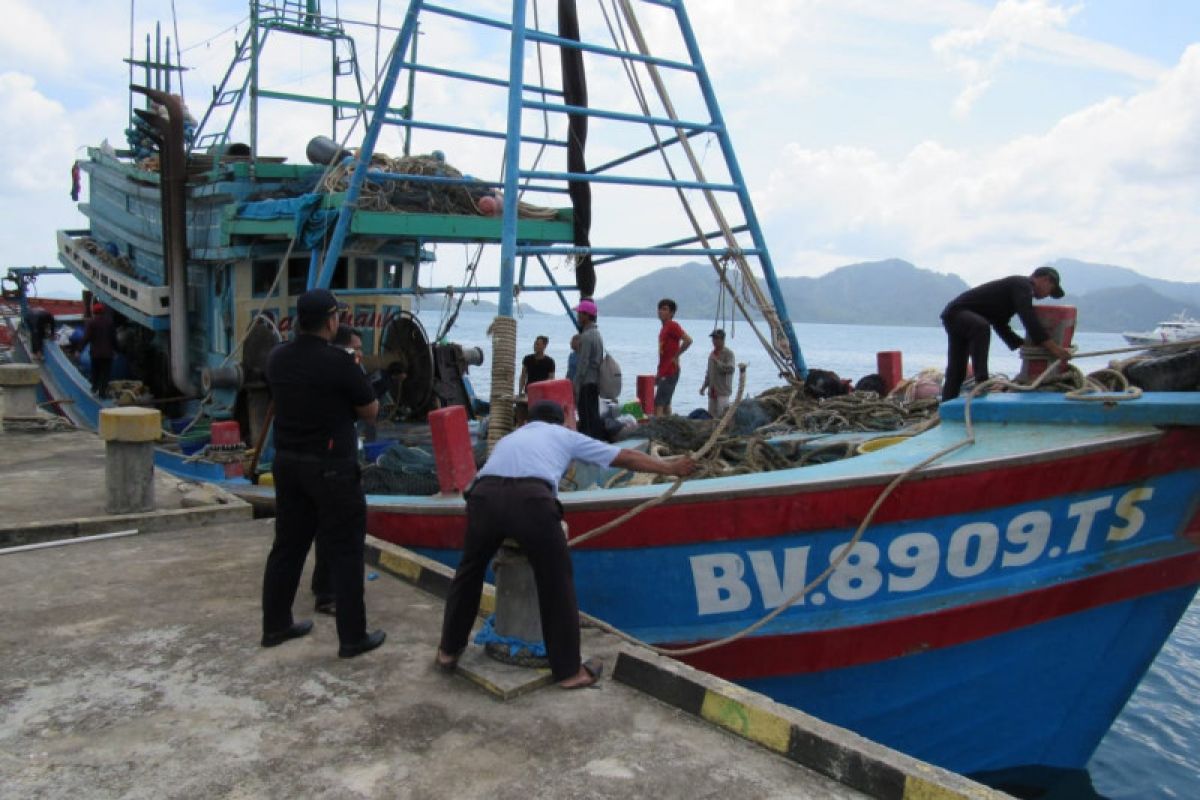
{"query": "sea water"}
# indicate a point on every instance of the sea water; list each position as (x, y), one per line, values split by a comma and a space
(1153, 749)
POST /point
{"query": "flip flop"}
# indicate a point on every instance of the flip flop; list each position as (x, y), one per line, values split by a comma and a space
(594, 667)
(445, 666)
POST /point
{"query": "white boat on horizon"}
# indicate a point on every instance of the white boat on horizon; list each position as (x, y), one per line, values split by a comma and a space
(1180, 329)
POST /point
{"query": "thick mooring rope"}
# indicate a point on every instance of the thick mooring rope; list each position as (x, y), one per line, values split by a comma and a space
(504, 355)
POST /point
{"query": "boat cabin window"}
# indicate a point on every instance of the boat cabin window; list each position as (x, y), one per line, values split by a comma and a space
(340, 279)
(366, 273)
(393, 275)
(262, 275)
(297, 276)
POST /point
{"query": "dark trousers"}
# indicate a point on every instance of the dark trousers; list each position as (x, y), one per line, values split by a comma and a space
(319, 499)
(970, 336)
(589, 411)
(526, 510)
(101, 370)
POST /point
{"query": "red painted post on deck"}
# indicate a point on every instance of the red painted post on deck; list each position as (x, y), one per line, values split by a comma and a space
(227, 436)
(889, 365)
(560, 390)
(452, 448)
(645, 393)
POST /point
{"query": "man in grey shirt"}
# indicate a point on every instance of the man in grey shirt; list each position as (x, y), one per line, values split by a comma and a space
(718, 378)
(587, 371)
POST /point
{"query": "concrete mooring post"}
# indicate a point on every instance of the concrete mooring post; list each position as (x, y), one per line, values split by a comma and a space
(517, 614)
(129, 435)
(18, 388)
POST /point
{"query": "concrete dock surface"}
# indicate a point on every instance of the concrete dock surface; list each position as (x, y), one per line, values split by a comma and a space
(131, 667)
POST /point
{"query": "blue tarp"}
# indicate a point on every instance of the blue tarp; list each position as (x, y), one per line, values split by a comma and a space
(311, 224)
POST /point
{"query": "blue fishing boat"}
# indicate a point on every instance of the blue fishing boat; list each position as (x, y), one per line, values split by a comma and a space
(985, 594)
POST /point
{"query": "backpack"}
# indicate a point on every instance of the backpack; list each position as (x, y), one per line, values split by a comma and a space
(609, 382)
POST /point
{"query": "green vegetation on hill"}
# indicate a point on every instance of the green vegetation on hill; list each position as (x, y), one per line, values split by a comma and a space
(895, 292)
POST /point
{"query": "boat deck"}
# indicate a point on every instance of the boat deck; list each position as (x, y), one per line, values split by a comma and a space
(146, 648)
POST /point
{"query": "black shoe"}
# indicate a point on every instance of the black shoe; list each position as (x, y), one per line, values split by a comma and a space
(326, 605)
(298, 629)
(363, 645)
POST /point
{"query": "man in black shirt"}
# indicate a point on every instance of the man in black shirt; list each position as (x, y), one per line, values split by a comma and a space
(537, 366)
(969, 317)
(319, 392)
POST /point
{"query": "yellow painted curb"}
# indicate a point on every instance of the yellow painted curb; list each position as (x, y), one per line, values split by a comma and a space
(747, 721)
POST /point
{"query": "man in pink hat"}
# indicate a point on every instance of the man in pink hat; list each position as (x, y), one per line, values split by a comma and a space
(587, 371)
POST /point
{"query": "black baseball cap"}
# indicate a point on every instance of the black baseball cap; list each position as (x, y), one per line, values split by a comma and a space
(718, 334)
(547, 411)
(316, 304)
(1052, 274)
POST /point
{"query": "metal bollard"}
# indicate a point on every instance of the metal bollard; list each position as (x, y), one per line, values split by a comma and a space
(129, 434)
(18, 383)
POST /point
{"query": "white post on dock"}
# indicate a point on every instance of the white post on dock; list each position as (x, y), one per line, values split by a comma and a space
(129, 434)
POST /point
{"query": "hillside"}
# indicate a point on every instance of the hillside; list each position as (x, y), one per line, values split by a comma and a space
(895, 292)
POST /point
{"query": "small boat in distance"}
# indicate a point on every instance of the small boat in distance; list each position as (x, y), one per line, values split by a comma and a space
(1181, 328)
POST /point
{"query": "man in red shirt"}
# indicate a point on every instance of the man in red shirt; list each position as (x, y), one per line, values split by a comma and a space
(673, 342)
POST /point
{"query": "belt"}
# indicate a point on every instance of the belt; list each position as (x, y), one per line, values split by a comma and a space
(515, 481)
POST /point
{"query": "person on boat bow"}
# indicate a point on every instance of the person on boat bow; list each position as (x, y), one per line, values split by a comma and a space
(515, 496)
(673, 342)
(968, 320)
(537, 366)
(718, 376)
(318, 393)
(587, 371)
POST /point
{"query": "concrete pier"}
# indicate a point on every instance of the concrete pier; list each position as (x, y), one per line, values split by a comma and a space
(132, 668)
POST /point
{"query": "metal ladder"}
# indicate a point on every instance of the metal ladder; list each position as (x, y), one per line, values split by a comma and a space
(738, 241)
(296, 17)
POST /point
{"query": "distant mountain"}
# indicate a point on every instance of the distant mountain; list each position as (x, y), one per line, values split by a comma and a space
(895, 292)
(891, 292)
(1082, 277)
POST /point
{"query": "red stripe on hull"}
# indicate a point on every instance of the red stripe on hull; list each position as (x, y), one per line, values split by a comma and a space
(766, 656)
(817, 507)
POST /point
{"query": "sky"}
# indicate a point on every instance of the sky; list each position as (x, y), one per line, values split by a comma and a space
(975, 138)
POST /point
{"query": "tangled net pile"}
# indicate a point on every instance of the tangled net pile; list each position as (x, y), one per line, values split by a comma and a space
(745, 447)
(415, 196)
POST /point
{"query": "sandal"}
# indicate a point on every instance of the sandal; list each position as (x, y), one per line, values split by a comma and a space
(449, 665)
(594, 667)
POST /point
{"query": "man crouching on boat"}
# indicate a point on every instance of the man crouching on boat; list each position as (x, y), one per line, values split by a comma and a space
(515, 496)
(969, 318)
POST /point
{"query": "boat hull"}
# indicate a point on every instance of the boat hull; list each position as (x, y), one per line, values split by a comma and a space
(997, 613)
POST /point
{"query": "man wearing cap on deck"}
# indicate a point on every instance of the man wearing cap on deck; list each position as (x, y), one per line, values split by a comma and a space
(969, 317)
(319, 392)
(718, 378)
(515, 496)
(587, 371)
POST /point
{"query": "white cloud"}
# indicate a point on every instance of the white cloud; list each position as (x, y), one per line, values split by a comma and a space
(1026, 29)
(1115, 182)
